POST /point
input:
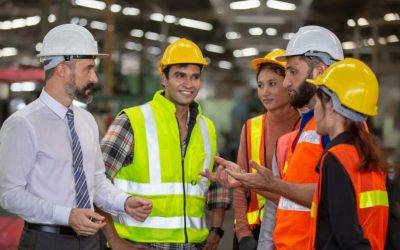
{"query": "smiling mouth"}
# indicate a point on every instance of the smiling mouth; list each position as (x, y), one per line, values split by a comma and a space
(186, 92)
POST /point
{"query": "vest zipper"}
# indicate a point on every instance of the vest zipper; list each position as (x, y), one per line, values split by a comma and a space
(183, 153)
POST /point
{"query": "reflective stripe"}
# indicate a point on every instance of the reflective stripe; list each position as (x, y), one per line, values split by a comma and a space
(286, 204)
(162, 222)
(256, 133)
(373, 199)
(160, 188)
(285, 167)
(255, 216)
(310, 136)
(312, 212)
(152, 144)
(207, 149)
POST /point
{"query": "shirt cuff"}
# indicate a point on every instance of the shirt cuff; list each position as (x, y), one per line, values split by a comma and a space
(61, 215)
(119, 204)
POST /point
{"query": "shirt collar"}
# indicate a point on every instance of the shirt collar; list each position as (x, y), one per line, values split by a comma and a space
(59, 109)
(342, 138)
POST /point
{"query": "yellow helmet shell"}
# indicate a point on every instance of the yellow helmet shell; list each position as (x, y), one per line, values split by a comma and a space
(354, 83)
(181, 51)
(269, 58)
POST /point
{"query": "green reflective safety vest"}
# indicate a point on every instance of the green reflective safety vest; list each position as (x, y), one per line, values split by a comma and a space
(159, 173)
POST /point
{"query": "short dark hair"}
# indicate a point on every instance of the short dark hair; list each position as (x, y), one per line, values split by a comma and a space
(167, 68)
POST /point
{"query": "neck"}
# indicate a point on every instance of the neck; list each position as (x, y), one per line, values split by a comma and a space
(182, 113)
(310, 105)
(284, 110)
(336, 128)
(56, 90)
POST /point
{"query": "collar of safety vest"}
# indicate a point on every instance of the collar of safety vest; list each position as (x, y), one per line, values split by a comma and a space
(159, 98)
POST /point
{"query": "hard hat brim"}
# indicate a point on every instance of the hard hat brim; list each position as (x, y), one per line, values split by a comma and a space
(315, 82)
(255, 64)
(72, 54)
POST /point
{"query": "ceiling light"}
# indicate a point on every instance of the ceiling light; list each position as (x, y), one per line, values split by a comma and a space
(18, 23)
(351, 23)
(74, 20)
(5, 25)
(231, 35)
(288, 36)
(115, 8)
(172, 39)
(157, 17)
(22, 86)
(280, 5)
(392, 39)
(98, 25)
(133, 46)
(256, 31)
(224, 64)
(93, 4)
(214, 48)
(52, 18)
(244, 5)
(195, 24)
(362, 21)
(153, 50)
(391, 17)
(245, 52)
(130, 11)
(32, 20)
(370, 41)
(349, 45)
(8, 51)
(154, 36)
(169, 19)
(82, 22)
(382, 40)
(271, 31)
(136, 33)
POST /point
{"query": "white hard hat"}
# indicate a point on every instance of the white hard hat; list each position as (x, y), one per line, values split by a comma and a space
(315, 41)
(65, 42)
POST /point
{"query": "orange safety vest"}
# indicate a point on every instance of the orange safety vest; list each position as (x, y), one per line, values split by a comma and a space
(292, 230)
(281, 152)
(255, 145)
(371, 196)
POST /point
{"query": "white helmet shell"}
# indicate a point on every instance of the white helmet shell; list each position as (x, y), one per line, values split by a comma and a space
(315, 39)
(69, 40)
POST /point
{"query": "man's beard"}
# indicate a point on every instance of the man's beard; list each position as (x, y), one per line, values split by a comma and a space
(79, 94)
(303, 95)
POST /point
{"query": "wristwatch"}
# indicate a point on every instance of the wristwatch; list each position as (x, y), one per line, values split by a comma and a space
(219, 231)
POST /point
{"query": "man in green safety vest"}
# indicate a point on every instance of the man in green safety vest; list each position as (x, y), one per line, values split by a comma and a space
(156, 151)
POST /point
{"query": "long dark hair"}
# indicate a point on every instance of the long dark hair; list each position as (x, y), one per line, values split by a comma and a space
(371, 156)
(273, 67)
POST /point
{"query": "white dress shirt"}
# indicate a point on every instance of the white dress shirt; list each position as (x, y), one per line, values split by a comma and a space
(36, 175)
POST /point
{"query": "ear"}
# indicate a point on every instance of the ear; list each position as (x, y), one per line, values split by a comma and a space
(61, 70)
(319, 69)
(163, 80)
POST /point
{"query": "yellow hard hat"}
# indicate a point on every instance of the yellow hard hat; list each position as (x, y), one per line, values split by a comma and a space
(269, 58)
(181, 51)
(354, 83)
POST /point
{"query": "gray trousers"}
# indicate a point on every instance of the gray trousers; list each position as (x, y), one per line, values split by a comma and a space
(37, 240)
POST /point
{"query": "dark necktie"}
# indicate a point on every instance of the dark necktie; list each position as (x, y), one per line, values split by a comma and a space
(82, 194)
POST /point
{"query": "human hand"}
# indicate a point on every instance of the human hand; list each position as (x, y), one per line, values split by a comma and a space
(138, 208)
(85, 222)
(263, 179)
(212, 241)
(121, 244)
(221, 176)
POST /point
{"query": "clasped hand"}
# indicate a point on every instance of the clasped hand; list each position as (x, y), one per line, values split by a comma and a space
(231, 175)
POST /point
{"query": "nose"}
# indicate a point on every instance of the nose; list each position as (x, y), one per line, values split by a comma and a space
(286, 82)
(93, 77)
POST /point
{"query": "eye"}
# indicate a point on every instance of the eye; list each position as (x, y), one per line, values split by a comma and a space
(195, 77)
(272, 84)
(179, 75)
